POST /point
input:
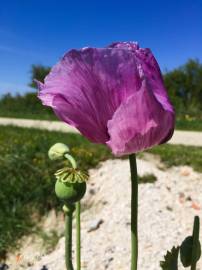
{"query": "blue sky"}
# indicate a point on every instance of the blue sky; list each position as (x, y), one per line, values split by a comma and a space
(39, 32)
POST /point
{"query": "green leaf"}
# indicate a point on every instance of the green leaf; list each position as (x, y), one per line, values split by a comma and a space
(170, 260)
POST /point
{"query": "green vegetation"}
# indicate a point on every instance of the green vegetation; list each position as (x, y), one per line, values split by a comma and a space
(25, 106)
(176, 155)
(147, 178)
(189, 123)
(184, 86)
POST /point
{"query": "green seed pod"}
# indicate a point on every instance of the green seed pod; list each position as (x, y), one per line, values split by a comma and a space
(71, 184)
(57, 151)
(70, 192)
(186, 251)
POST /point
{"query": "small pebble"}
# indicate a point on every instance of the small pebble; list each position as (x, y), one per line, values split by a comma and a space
(92, 191)
(44, 268)
(95, 224)
(188, 198)
(185, 171)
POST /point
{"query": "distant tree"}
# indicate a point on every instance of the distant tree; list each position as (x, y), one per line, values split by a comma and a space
(185, 86)
(38, 72)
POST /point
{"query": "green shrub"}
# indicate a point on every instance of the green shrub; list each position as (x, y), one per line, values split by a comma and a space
(25, 106)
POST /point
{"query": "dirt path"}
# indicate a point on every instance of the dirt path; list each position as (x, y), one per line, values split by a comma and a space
(180, 137)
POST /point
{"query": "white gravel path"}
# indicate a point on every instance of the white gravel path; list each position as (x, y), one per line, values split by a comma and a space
(179, 137)
(166, 212)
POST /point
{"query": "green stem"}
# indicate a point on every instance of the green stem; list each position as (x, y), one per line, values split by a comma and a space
(134, 211)
(71, 160)
(78, 236)
(195, 236)
(68, 237)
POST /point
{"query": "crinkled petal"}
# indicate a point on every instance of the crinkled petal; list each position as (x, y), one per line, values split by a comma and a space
(139, 123)
(149, 70)
(87, 86)
(131, 45)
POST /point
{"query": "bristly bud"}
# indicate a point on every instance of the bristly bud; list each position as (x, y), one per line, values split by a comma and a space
(57, 151)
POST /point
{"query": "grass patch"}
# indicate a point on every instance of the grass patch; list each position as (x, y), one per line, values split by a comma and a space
(147, 178)
(175, 155)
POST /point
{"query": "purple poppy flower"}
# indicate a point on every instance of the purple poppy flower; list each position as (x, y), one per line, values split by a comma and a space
(113, 95)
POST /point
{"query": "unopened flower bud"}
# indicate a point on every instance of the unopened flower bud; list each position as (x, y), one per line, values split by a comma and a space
(186, 251)
(57, 151)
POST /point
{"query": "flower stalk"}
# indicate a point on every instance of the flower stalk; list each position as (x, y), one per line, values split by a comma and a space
(68, 236)
(134, 211)
(78, 236)
(78, 223)
(71, 160)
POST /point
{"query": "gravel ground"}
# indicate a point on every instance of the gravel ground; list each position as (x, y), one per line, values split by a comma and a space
(180, 137)
(166, 212)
